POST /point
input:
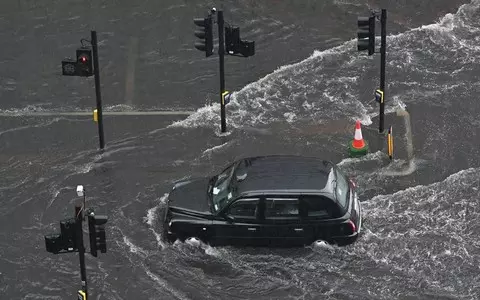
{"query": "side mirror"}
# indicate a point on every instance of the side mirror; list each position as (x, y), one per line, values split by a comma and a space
(229, 218)
(241, 177)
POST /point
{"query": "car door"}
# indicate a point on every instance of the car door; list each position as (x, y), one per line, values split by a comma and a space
(238, 224)
(318, 211)
(283, 225)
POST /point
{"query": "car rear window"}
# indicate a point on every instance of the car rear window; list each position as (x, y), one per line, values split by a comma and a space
(319, 207)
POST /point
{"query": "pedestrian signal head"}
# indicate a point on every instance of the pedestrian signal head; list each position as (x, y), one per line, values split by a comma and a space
(379, 96)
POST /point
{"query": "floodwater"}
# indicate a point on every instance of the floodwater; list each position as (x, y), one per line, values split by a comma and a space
(297, 95)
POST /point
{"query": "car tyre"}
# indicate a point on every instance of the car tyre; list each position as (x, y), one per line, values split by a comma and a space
(194, 241)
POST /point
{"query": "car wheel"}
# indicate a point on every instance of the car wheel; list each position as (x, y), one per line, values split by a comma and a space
(193, 241)
(322, 244)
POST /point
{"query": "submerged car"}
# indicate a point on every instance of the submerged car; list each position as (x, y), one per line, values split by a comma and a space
(278, 200)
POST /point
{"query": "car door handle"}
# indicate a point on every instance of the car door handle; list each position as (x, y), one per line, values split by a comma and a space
(252, 229)
(298, 229)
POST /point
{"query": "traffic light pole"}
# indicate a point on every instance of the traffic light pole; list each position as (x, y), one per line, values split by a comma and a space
(383, 48)
(70, 238)
(97, 89)
(81, 248)
(221, 54)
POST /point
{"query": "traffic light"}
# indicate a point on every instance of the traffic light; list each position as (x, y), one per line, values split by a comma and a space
(205, 34)
(69, 67)
(66, 241)
(232, 39)
(84, 62)
(366, 34)
(69, 234)
(82, 66)
(53, 243)
(96, 228)
(234, 45)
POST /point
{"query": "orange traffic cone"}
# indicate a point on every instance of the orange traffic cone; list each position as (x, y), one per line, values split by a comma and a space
(358, 146)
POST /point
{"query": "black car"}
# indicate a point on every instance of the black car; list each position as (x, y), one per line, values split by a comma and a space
(279, 200)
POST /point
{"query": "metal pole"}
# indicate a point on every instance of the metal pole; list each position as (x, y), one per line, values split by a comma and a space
(383, 20)
(221, 53)
(97, 89)
(81, 248)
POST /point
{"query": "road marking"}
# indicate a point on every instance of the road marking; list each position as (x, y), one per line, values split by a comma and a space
(90, 114)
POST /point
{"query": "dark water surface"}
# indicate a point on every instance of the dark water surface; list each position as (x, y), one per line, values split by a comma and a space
(300, 94)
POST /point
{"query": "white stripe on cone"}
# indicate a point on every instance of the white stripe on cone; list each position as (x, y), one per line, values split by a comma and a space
(358, 134)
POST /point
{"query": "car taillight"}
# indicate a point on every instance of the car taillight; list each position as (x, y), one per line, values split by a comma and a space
(352, 226)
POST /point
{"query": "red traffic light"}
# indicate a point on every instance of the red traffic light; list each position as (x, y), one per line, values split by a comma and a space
(84, 62)
(83, 59)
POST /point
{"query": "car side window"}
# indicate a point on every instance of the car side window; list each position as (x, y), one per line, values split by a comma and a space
(281, 208)
(244, 208)
(342, 189)
(319, 207)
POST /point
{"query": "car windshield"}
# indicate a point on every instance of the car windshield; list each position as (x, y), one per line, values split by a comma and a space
(222, 189)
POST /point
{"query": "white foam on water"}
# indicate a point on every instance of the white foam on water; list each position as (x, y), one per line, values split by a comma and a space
(262, 102)
(465, 178)
(16, 184)
(347, 2)
(352, 161)
(395, 105)
(20, 111)
(215, 148)
(454, 33)
(44, 123)
(151, 219)
(406, 168)
(212, 251)
(194, 242)
(83, 168)
(110, 152)
(42, 296)
(119, 107)
(151, 216)
(55, 192)
(287, 94)
(323, 245)
(164, 285)
(431, 226)
(405, 216)
(134, 248)
(164, 198)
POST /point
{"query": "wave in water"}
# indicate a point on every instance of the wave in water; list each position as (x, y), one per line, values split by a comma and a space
(302, 91)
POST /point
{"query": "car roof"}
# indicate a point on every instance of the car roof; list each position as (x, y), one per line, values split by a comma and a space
(285, 174)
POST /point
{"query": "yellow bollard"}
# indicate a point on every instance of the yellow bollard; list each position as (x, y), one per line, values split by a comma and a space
(95, 115)
(390, 142)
